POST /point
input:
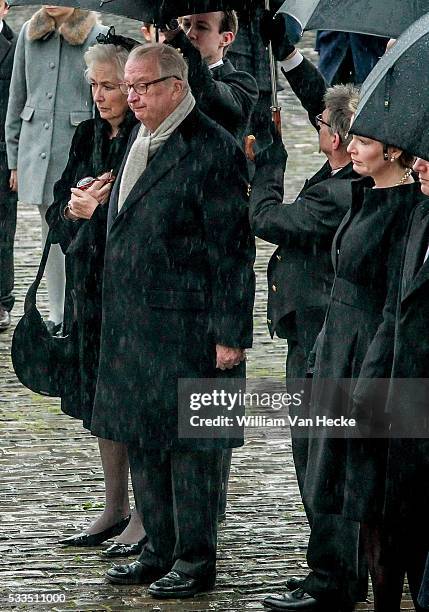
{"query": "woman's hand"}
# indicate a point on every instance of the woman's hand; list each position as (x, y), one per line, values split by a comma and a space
(13, 180)
(83, 202)
(100, 190)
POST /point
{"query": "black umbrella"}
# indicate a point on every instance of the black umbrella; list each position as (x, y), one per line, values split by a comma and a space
(155, 11)
(380, 17)
(394, 101)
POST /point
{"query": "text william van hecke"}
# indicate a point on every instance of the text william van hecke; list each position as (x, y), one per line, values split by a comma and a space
(266, 421)
(293, 421)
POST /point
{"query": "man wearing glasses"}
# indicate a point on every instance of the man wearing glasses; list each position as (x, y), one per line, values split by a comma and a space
(179, 258)
(300, 276)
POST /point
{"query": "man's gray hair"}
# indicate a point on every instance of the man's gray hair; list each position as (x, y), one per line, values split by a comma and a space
(170, 60)
(106, 54)
(341, 101)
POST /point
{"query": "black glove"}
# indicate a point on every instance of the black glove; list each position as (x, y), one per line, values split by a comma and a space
(274, 28)
(273, 155)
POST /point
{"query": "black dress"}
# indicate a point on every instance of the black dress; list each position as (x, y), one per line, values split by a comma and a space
(92, 152)
(345, 475)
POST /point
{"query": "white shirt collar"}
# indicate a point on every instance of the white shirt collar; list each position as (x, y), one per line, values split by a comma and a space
(219, 63)
(1, 25)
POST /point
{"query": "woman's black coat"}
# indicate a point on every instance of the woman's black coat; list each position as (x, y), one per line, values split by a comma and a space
(83, 242)
(407, 490)
(357, 341)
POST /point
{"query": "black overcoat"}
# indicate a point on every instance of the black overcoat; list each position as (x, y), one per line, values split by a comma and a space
(407, 491)
(83, 242)
(343, 473)
(178, 280)
(8, 199)
(300, 272)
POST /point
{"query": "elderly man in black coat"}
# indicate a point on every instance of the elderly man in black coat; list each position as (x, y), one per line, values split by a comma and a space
(179, 259)
(8, 199)
(300, 276)
(225, 94)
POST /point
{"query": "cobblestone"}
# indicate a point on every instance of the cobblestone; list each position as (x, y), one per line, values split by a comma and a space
(51, 480)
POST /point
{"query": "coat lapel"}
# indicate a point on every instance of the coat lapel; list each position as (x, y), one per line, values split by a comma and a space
(169, 155)
(113, 201)
(321, 175)
(415, 272)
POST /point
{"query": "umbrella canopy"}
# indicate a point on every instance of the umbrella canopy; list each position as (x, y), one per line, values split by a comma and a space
(155, 11)
(379, 17)
(394, 101)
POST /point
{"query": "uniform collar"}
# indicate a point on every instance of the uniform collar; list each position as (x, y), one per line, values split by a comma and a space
(216, 65)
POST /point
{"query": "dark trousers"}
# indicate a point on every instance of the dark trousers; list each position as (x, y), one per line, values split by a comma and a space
(177, 497)
(335, 553)
(8, 205)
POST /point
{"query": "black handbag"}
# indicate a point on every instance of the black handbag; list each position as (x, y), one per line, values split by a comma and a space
(44, 363)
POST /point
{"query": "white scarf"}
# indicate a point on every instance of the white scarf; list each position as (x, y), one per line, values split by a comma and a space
(146, 145)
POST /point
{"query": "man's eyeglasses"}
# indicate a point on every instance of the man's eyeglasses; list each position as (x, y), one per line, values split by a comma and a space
(320, 122)
(141, 88)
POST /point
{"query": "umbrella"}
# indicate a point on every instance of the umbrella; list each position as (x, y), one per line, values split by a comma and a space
(394, 101)
(155, 11)
(379, 17)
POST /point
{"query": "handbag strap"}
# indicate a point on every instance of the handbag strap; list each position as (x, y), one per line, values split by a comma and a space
(30, 298)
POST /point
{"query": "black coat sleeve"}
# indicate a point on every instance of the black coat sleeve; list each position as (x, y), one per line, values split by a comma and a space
(233, 97)
(314, 215)
(309, 86)
(231, 250)
(63, 230)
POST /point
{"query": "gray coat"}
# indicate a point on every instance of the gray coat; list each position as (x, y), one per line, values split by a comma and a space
(49, 97)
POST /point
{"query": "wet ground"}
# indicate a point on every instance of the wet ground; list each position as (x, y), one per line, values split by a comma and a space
(51, 482)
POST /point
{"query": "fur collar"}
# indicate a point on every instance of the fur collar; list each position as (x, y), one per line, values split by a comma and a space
(75, 30)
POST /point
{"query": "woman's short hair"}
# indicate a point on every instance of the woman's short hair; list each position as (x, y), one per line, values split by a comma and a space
(170, 60)
(106, 54)
(341, 102)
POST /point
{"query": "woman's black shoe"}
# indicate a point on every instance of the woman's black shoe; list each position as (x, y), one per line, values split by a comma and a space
(124, 550)
(95, 539)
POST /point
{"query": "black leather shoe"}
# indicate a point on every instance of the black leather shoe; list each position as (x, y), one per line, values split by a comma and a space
(177, 585)
(133, 573)
(294, 582)
(95, 539)
(295, 600)
(4, 319)
(123, 550)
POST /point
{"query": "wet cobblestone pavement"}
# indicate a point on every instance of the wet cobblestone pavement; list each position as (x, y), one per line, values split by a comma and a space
(51, 481)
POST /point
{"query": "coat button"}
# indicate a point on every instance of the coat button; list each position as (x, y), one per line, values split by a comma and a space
(52, 65)
(43, 155)
(338, 251)
(269, 321)
(279, 257)
(50, 95)
(46, 126)
(274, 288)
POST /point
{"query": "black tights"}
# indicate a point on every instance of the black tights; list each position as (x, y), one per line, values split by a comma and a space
(390, 556)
